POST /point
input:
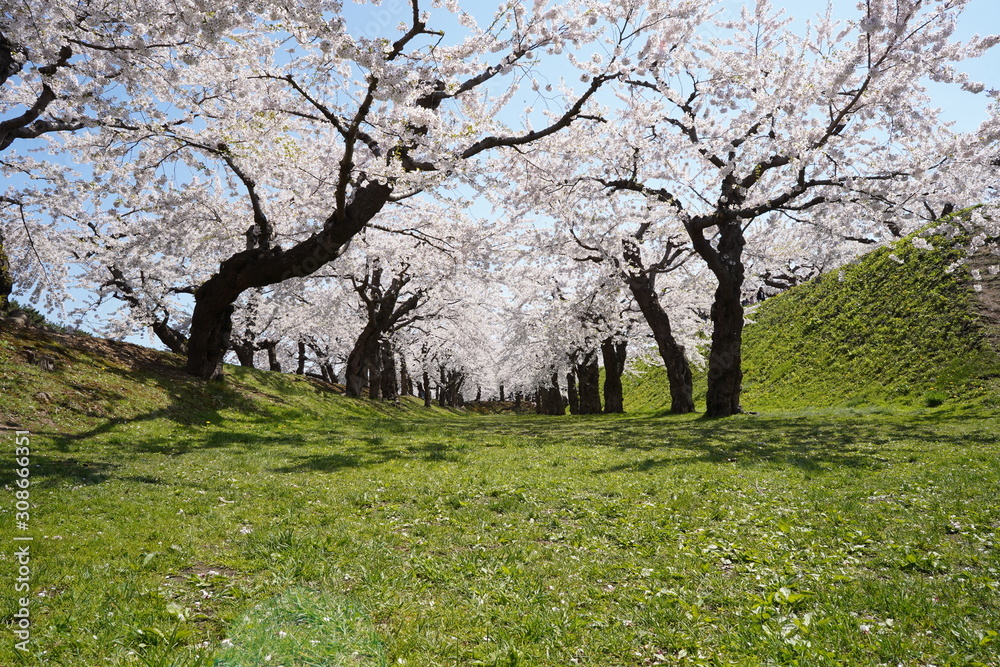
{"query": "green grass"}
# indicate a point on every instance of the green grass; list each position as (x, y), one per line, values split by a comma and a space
(893, 329)
(219, 525)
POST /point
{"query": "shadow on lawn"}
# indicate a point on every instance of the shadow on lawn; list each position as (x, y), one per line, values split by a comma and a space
(812, 444)
(374, 453)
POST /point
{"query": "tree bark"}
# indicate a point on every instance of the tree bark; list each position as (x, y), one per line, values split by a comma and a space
(588, 374)
(390, 388)
(356, 374)
(550, 400)
(574, 398)
(6, 279)
(272, 355)
(671, 352)
(301, 368)
(326, 368)
(211, 320)
(643, 288)
(245, 353)
(614, 365)
(725, 372)
(170, 337)
(427, 389)
(405, 382)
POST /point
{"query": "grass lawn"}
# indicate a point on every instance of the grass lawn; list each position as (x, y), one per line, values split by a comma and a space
(342, 533)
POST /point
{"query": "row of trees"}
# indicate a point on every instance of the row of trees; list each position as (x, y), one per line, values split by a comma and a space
(266, 180)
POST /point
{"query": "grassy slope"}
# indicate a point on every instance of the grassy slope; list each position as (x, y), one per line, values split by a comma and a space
(879, 332)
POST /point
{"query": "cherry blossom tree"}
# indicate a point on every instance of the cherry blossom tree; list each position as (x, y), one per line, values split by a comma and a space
(759, 126)
(308, 134)
(66, 66)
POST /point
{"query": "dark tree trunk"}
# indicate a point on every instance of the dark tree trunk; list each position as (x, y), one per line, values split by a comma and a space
(374, 367)
(558, 404)
(245, 352)
(6, 279)
(272, 355)
(671, 352)
(643, 287)
(550, 400)
(518, 397)
(211, 321)
(479, 394)
(588, 374)
(356, 374)
(614, 365)
(211, 326)
(443, 398)
(385, 315)
(170, 337)
(725, 372)
(326, 368)
(390, 388)
(427, 389)
(301, 368)
(501, 393)
(571, 395)
(405, 381)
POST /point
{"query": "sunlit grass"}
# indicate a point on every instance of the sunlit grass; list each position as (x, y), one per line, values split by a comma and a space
(840, 538)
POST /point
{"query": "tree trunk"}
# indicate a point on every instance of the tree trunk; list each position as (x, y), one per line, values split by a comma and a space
(589, 375)
(427, 389)
(245, 352)
(550, 400)
(672, 353)
(326, 368)
(390, 388)
(359, 372)
(170, 337)
(301, 368)
(614, 365)
(501, 393)
(642, 284)
(211, 321)
(725, 372)
(405, 381)
(272, 355)
(6, 279)
(574, 398)
(374, 367)
(442, 388)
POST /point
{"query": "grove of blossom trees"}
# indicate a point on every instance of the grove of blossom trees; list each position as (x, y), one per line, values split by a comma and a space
(483, 200)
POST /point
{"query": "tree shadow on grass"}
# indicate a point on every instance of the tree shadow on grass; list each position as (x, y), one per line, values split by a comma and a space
(47, 471)
(375, 452)
(809, 443)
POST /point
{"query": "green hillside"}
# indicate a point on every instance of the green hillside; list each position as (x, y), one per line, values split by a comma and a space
(895, 327)
(66, 383)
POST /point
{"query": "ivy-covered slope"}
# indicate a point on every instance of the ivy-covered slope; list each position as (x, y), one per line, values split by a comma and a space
(895, 327)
